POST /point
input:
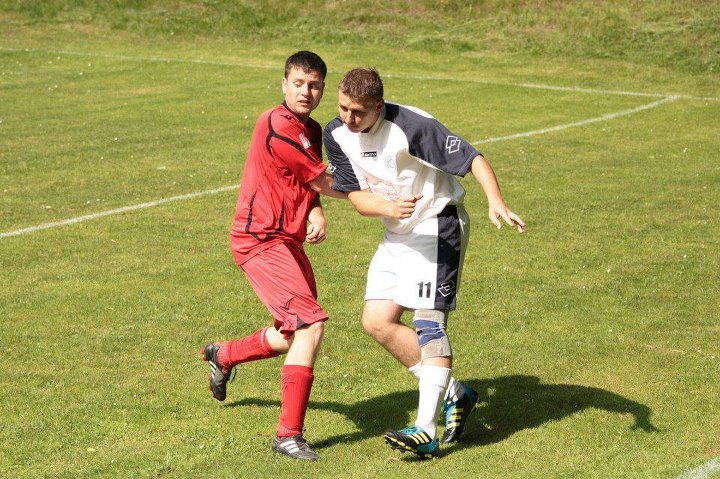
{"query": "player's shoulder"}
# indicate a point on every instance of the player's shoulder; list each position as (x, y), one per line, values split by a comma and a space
(281, 115)
(406, 116)
(333, 125)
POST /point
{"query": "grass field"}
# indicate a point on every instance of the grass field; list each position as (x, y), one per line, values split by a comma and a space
(592, 338)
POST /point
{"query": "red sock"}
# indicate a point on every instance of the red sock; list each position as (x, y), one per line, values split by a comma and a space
(249, 348)
(296, 384)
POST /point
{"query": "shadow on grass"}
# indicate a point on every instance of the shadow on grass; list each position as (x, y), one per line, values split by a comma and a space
(507, 404)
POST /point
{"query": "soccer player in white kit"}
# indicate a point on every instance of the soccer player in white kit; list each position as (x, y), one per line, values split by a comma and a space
(399, 163)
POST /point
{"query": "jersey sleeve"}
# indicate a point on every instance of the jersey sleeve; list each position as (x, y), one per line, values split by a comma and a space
(430, 141)
(291, 147)
(345, 178)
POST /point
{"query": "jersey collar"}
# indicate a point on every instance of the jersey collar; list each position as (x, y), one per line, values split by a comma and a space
(377, 124)
(285, 105)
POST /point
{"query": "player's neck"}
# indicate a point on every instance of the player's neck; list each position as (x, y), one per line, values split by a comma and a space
(303, 118)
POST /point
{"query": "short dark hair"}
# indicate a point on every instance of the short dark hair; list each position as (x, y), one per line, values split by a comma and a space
(307, 62)
(362, 84)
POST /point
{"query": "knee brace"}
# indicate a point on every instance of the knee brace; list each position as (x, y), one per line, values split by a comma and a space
(430, 328)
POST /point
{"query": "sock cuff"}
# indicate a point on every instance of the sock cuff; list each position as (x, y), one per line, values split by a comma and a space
(435, 375)
(297, 369)
(415, 370)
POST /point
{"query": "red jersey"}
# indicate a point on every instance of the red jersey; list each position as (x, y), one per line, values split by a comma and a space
(275, 196)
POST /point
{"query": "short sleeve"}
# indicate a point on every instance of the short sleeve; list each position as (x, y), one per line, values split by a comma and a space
(344, 177)
(430, 141)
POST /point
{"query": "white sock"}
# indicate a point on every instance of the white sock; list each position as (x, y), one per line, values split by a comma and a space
(415, 370)
(433, 381)
(454, 390)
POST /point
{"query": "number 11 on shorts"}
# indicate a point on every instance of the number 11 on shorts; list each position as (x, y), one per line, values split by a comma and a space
(426, 288)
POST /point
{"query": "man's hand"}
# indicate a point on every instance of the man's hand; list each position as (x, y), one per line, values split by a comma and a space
(316, 231)
(403, 207)
(498, 209)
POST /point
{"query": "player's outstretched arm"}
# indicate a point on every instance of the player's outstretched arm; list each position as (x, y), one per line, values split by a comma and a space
(484, 174)
(323, 185)
(369, 204)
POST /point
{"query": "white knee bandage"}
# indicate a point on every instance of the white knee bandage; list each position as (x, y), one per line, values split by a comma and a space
(430, 328)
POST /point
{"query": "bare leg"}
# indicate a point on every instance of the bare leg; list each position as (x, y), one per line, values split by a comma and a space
(442, 362)
(305, 345)
(277, 341)
(381, 320)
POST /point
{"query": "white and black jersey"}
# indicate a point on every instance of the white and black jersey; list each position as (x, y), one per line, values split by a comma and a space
(406, 152)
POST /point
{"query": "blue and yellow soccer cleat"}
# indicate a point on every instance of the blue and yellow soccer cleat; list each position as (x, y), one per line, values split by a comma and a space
(413, 439)
(456, 412)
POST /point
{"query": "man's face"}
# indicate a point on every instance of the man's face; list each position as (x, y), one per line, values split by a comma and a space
(358, 116)
(303, 91)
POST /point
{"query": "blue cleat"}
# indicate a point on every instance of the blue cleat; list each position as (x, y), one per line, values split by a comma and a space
(456, 412)
(413, 439)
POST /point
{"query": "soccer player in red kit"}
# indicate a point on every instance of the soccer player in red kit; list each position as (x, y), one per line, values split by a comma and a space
(278, 209)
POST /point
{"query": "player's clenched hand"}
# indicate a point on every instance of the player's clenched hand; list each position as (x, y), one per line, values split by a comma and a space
(404, 206)
(500, 210)
(316, 231)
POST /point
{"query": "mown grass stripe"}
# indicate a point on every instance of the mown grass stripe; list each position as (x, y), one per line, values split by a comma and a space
(124, 209)
(387, 75)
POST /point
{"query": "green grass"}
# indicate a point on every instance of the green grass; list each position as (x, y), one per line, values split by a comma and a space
(592, 338)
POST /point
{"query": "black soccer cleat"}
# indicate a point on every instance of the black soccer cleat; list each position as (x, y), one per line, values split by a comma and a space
(218, 377)
(294, 446)
(456, 412)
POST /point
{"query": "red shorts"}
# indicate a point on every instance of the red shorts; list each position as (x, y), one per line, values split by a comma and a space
(284, 281)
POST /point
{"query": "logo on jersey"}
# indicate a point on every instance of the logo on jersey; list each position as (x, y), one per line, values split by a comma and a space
(447, 288)
(368, 154)
(390, 163)
(452, 144)
(305, 141)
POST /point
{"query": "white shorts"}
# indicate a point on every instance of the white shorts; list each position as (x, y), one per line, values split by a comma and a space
(421, 269)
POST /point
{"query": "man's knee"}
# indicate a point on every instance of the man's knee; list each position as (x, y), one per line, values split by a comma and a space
(311, 332)
(432, 337)
(372, 326)
(317, 329)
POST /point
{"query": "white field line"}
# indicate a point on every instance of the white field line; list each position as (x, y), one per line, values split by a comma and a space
(702, 472)
(388, 75)
(116, 211)
(609, 116)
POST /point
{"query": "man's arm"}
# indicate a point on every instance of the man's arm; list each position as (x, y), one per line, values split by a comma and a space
(369, 204)
(323, 185)
(484, 174)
